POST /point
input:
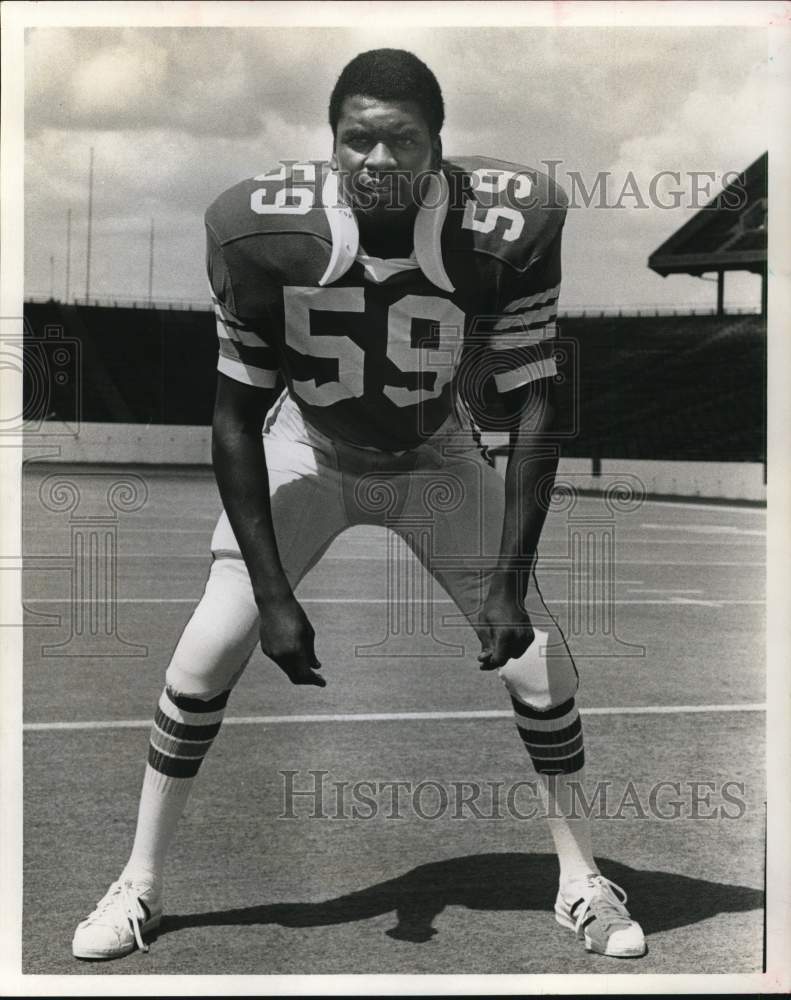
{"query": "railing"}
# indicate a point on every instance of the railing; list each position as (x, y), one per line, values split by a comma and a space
(597, 312)
(572, 312)
(127, 302)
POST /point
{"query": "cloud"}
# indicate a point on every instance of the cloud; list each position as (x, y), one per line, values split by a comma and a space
(719, 128)
(177, 115)
(205, 81)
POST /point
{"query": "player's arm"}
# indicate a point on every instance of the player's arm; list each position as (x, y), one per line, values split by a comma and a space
(239, 459)
(242, 477)
(529, 475)
(522, 343)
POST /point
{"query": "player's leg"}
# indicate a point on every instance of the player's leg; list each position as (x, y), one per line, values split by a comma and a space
(542, 686)
(209, 658)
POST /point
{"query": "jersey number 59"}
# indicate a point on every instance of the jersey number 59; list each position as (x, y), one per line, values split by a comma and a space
(350, 357)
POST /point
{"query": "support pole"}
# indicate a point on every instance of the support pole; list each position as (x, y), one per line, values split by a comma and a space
(151, 265)
(68, 254)
(90, 225)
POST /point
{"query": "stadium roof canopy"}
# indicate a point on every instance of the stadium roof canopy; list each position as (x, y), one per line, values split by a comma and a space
(728, 234)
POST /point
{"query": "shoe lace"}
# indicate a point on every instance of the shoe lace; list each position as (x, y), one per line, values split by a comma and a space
(609, 901)
(130, 903)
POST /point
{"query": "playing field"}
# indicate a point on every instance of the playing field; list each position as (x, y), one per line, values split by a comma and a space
(672, 690)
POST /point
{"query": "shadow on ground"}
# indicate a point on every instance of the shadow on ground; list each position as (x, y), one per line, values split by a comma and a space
(660, 901)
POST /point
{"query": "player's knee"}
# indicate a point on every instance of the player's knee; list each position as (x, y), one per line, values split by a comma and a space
(219, 639)
(544, 676)
(202, 684)
(208, 662)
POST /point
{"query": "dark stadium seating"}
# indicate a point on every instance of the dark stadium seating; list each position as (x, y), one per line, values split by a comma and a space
(670, 387)
(664, 387)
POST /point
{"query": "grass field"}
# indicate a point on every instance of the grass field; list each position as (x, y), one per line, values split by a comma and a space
(673, 694)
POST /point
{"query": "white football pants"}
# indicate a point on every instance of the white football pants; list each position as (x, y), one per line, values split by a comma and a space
(442, 498)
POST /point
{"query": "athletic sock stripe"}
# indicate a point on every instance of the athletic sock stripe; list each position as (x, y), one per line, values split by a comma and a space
(167, 708)
(172, 767)
(197, 704)
(547, 725)
(178, 748)
(176, 756)
(552, 713)
(180, 739)
(567, 766)
(546, 752)
(557, 755)
(553, 737)
(181, 732)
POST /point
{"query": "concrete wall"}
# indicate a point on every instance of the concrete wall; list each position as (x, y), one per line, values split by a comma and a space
(121, 444)
(140, 444)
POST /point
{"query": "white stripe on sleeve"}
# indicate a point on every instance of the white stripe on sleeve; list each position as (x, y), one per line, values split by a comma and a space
(539, 298)
(524, 319)
(513, 341)
(505, 381)
(235, 369)
(229, 328)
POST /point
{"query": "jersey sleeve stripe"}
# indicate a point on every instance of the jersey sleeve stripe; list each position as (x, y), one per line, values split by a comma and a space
(527, 320)
(230, 328)
(252, 357)
(531, 301)
(531, 372)
(515, 340)
(240, 372)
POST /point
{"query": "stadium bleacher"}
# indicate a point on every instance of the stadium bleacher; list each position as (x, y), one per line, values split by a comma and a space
(647, 387)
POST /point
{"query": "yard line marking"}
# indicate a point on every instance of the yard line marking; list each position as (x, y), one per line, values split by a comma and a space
(658, 590)
(705, 529)
(171, 531)
(376, 600)
(682, 505)
(274, 720)
(691, 541)
(696, 602)
(644, 562)
(620, 540)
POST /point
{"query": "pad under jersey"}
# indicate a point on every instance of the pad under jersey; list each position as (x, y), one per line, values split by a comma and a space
(373, 352)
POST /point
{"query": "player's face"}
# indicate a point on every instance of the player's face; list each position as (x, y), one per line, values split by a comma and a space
(382, 150)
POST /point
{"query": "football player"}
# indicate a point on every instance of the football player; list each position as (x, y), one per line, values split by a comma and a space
(360, 304)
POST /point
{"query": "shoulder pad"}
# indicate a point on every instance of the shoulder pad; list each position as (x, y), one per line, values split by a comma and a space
(293, 200)
(511, 212)
(287, 199)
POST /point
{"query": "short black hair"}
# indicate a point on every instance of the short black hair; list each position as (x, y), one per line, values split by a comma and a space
(390, 75)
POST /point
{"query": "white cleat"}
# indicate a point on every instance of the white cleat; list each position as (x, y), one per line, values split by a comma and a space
(116, 927)
(594, 908)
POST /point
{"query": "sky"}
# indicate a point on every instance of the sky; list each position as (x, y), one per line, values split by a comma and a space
(176, 115)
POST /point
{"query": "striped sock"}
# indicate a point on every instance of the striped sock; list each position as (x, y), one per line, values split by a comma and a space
(553, 738)
(554, 741)
(183, 731)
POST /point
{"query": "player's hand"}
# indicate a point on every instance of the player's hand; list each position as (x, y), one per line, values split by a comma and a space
(504, 630)
(287, 637)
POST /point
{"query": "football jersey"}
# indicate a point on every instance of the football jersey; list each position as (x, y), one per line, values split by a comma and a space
(374, 351)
